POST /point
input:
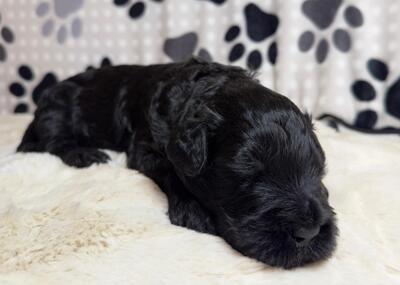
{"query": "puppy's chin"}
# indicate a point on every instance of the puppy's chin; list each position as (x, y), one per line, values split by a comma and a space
(279, 248)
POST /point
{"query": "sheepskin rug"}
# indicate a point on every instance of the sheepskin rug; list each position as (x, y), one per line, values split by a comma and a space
(108, 225)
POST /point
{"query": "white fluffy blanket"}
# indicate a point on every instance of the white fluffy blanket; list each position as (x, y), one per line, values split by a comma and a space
(108, 225)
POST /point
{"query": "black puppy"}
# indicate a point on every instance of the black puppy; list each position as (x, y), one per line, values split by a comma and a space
(234, 158)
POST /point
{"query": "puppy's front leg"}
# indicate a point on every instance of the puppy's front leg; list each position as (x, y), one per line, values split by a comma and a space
(183, 208)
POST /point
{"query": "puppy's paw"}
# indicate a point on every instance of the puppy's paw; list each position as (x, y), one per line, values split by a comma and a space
(84, 157)
(190, 214)
(28, 147)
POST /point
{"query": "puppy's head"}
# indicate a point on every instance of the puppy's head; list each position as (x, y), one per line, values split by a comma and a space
(252, 158)
(271, 202)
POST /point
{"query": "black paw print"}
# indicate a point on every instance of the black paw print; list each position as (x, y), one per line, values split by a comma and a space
(137, 9)
(322, 14)
(105, 62)
(364, 91)
(19, 90)
(183, 47)
(7, 36)
(259, 27)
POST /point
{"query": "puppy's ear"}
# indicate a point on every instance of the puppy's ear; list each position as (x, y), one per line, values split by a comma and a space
(193, 124)
(188, 146)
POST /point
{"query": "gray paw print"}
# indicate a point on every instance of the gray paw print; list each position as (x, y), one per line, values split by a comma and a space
(183, 47)
(60, 22)
(6, 37)
(322, 14)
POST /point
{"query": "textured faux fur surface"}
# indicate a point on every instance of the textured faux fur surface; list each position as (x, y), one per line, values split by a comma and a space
(108, 225)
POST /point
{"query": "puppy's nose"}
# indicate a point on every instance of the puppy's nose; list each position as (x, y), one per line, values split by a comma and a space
(303, 236)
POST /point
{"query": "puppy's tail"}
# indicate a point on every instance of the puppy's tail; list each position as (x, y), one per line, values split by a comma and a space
(30, 141)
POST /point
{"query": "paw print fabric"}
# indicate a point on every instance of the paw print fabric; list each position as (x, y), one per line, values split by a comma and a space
(338, 57)
(6, 37)
(322, 14)
(259, 27)
(60, 23)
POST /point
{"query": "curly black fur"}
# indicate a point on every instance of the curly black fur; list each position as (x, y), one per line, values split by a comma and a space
(234, 158)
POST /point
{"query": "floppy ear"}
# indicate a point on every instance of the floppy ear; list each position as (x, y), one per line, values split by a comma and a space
(188, 145)
(191, 121)
(181, 117)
